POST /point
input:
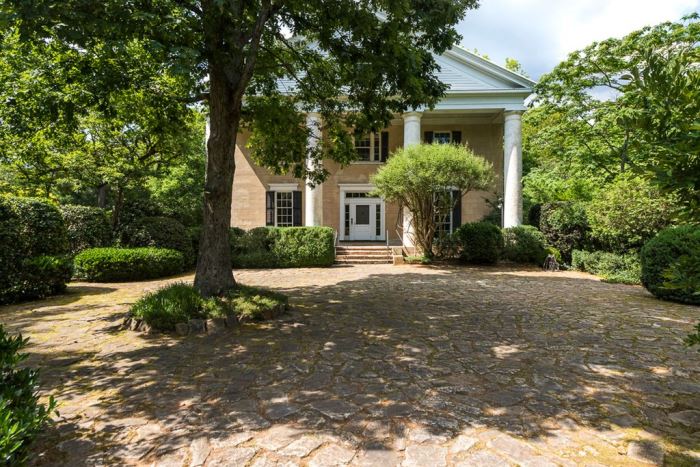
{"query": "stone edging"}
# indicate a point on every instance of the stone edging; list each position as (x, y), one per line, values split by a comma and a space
(203, 326)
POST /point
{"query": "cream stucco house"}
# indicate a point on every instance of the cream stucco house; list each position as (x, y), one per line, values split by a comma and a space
(482, 109)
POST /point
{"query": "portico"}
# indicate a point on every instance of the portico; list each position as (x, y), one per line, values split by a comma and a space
(482, 109)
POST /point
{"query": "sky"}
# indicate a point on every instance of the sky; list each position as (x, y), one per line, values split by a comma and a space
(541, 33)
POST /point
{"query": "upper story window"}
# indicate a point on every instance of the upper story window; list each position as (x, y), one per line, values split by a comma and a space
(442, 137)
(372, 147)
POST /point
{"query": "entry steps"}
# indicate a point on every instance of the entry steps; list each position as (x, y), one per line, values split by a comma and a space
(363, 254)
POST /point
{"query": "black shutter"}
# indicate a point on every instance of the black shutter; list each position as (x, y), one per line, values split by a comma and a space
(457, 210)
(385, 145)
(296, 208)
(428, 137)
(457, 137)
(270, 208)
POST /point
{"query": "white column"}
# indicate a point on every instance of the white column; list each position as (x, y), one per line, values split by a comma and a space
(313, 196)
(411, 136)
(512, 170)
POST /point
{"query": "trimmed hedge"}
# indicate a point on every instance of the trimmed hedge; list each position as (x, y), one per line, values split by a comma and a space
(127, 264)
(31, 232)
(282, 247)
(479, 242)
(38, 277)
(21, 415)
(158, 232)
(662, 255)
(611, 267)
(524, 244)
(565, 226)
(39, 226)
(87, 226)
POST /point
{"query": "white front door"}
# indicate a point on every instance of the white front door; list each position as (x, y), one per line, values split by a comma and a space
(362, 221)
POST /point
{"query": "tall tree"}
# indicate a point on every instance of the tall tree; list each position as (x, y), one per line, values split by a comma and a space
(354, 62)
(631, 104)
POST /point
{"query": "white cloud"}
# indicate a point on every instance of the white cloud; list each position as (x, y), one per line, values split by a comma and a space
(540, 33)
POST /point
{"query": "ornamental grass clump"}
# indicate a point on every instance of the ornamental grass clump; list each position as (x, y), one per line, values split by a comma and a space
(177, 303)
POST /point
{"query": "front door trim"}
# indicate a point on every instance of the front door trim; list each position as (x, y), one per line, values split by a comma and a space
(359, 188)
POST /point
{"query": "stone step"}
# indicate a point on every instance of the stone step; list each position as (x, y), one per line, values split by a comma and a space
(363, 253)
(363, 257)
(362, 260)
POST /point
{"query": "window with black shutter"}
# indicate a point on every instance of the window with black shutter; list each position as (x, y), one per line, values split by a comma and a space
(428, 137)
(270, 208)
(456, 210)
(457, 137)
(296, 208)
(385, 146)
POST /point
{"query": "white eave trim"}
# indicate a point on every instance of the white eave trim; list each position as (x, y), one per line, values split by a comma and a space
(356, 186)
(283, 186)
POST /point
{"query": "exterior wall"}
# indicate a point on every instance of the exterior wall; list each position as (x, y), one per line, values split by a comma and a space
(360, 173)
(251, 182)
(486, 140)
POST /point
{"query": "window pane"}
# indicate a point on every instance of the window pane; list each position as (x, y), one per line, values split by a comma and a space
(442, 137)
(363, 146)
(378, 228)
(362, 214)
(284, 209)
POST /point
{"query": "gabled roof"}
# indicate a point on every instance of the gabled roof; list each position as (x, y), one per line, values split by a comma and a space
(467, 72)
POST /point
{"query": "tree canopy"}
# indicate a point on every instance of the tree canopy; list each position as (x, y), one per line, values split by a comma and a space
(355, 63)
(630, 104)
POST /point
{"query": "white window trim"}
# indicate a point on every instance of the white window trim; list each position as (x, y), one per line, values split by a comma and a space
(371, 148)
(283, 186)
(277, 192)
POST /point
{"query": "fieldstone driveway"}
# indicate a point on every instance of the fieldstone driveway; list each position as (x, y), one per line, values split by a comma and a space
(377, 365)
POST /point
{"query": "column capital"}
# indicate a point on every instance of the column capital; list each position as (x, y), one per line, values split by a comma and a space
(412, 115)
(513, 114)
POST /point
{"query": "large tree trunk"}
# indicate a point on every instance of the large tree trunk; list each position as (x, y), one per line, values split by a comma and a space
(214, 274)
(102, 195)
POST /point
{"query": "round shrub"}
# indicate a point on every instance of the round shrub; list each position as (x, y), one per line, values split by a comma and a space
(87, 226)
(159, 232)
(479, 242)
(39, 225)
(660, 257)
(127, 264)
(627, 213)
(565, 226)
(524, 244)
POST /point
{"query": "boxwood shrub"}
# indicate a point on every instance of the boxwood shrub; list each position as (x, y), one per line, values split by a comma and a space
(38, 277)
(479, 242)
(87, 227)
(524, 244)
(127, 264)
(31, 230)
(661, 257)
(159, 232)
(611, 267)
(21, 414)
(282, 247)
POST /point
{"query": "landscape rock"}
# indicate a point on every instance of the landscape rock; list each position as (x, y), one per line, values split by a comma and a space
(182, 329)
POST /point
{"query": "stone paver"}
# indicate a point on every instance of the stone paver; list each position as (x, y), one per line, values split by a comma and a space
(376, 365)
